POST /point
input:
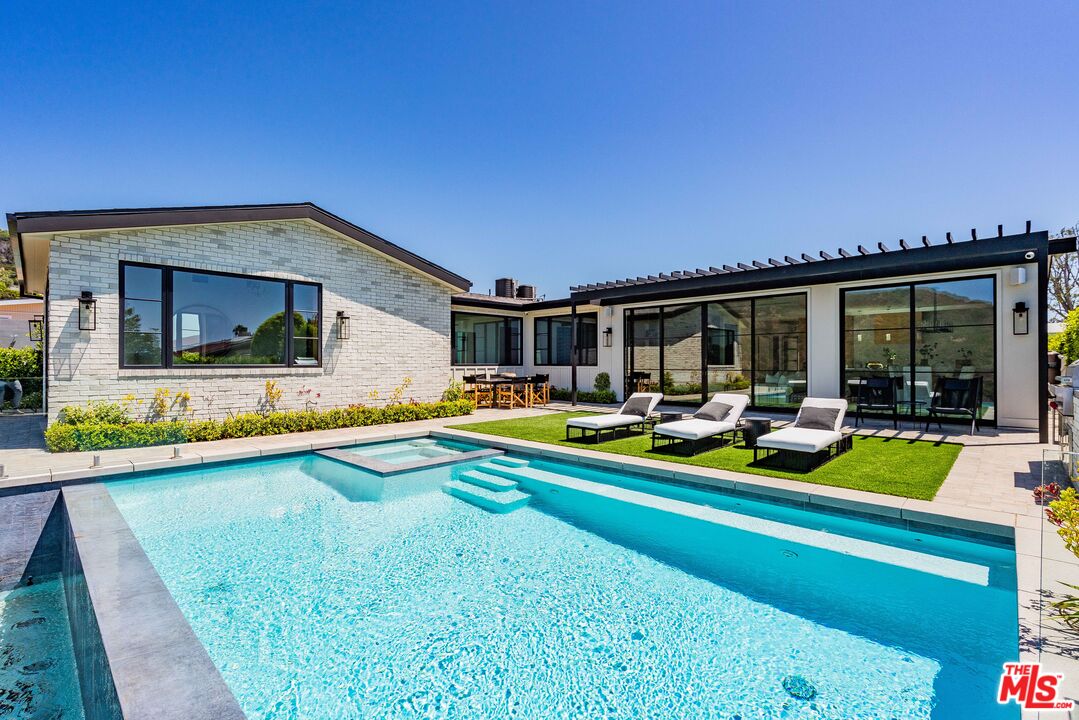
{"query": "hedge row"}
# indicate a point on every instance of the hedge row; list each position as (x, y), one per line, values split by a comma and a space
(66, 437)
(595, 396)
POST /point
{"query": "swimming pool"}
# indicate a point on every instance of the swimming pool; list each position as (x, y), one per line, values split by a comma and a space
(605, 595)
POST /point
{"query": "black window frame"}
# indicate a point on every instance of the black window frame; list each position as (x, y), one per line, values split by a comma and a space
(167, 329)
(582, 348)
(912, 415)
(628, 366)
(509, 352)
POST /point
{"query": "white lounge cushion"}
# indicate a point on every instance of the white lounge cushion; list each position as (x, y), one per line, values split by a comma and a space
(799, 439)
(604, 422)
(693, 428)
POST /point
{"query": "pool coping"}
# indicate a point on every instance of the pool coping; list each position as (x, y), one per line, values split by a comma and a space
(385, 469)
(933, 514)
(159, 667)
(920, 514)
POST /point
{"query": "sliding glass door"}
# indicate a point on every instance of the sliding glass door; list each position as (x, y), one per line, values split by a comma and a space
(730, 346)
(750, 346)
(921, 333)
(780, 354)
(642, 351)
(682, 354)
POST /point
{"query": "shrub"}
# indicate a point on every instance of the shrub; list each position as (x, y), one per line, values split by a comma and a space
(106, 436)
(596, 396)
(21, 363)
(455, 392)
(602, 381)
(95, 412)
(1068, 343)
(1064, 513)
(24, 365)
(89, 428)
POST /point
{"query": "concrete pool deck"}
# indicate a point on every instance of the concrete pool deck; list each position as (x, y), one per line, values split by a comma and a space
(988, 491)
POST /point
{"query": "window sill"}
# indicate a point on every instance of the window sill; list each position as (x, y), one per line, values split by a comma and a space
(220, 371)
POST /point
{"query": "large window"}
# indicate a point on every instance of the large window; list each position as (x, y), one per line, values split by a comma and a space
(919, 333)
(553, 337)
(174, 317)
(486, 339)
(756, 347)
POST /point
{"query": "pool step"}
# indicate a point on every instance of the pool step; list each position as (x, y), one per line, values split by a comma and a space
(490, 500)
(507, 461)
(509, 472)
(488, 481)
(423, 442)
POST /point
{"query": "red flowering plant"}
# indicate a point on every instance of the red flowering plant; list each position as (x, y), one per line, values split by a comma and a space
(1047, 493)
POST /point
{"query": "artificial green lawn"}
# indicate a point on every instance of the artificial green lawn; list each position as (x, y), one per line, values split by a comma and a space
(907, 468)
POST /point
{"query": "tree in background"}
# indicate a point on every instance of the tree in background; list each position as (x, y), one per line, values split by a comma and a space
(1063, 280)
(9, 284)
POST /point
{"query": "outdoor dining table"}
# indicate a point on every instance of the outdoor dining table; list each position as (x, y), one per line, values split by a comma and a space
(516, 399)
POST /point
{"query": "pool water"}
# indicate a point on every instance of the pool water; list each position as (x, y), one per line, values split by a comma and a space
(38, 678)
(314, 604)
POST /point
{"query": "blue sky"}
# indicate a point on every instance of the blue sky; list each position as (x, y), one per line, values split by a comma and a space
(557, 143)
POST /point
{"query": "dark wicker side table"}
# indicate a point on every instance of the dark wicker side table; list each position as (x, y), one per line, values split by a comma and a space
(753, 428)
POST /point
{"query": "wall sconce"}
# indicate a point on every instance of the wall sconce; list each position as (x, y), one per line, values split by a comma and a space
(37, 328)
(607, 335)
(342, 325)
(87, 311)
(1020, 319)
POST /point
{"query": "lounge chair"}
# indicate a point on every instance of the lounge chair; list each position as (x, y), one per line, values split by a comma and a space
(717, 418)
(812, 439)
(634, 412)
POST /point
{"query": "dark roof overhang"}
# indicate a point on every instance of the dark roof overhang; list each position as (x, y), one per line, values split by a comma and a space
(911, 260)
(496, 303)
(27, 223)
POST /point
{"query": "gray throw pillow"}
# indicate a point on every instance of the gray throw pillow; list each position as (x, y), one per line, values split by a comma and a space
(817, 418)
(714, 411)
(636, 406)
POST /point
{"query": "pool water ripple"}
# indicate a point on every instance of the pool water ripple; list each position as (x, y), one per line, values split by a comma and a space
(427, 607)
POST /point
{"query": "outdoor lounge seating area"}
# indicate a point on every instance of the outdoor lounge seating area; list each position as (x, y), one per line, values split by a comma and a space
(881, 463)
(814, 437)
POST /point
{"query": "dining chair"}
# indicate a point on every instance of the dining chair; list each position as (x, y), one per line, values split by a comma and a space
(539, 392)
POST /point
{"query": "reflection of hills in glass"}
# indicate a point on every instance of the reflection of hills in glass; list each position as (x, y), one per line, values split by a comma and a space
(936, 310)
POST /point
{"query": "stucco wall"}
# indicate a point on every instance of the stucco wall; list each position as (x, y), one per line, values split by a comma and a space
(400, 318)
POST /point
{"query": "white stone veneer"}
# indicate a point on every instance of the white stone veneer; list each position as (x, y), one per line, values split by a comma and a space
(400, 318)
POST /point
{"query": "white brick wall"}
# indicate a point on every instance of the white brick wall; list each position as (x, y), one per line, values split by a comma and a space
(400, 318)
